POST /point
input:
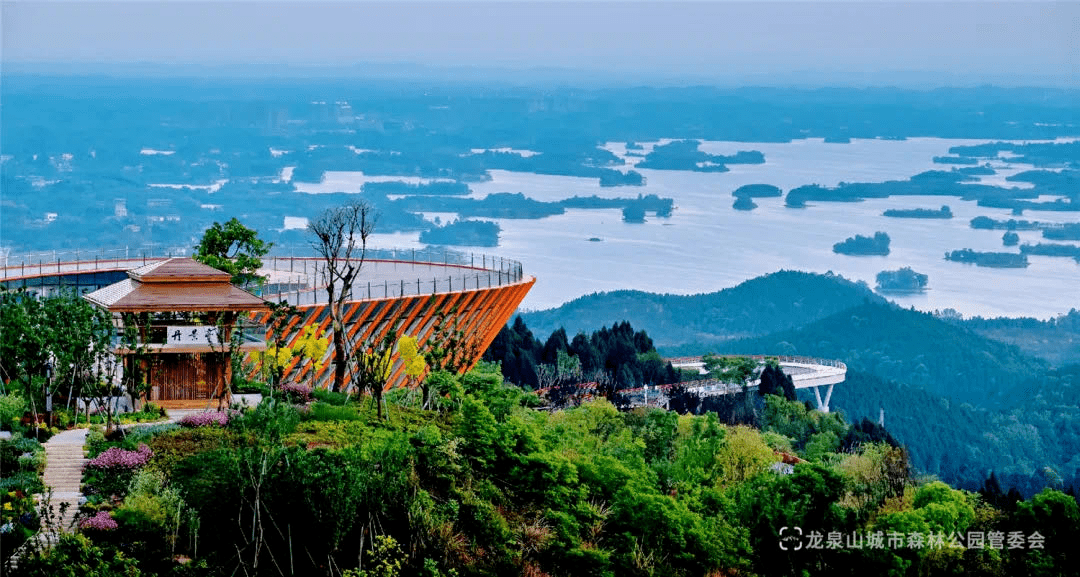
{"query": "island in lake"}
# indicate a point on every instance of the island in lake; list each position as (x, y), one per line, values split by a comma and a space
(745, 195)
(943, 212)
(988, 259)
(685, 155)
(904, 280)
(1052, 249)
(864, 245)
(464, 233)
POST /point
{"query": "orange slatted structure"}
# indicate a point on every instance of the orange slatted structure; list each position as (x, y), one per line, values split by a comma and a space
(480, 313)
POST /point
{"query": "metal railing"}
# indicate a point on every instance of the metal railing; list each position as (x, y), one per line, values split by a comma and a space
(389, 273)
(802, 360)
(16, 265)
(300, 279)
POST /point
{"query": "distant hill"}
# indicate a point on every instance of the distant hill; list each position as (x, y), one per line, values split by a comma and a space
(909, 347)
(961, 444)
(759, 306)
(1057, 340)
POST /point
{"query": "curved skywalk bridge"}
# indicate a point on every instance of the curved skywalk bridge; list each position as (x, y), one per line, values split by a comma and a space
(805, 372)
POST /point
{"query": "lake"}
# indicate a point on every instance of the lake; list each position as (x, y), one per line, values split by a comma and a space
(707, 246)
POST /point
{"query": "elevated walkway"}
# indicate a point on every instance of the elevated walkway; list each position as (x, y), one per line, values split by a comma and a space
(805, 372)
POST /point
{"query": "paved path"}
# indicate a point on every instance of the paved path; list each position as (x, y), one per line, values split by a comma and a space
(63, 474)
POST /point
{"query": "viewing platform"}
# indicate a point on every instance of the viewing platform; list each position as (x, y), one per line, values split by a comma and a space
(415, 292)
(386, 273)
(805, 372)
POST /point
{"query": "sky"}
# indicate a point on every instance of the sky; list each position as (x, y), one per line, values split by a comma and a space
(1032, 42)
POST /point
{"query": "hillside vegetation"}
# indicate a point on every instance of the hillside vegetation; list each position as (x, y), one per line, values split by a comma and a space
(484, 484)
(907, 346)
(766, 304)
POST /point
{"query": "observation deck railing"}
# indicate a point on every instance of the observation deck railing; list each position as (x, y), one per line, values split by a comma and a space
(56, 262)
(299, 279)
(388, 273)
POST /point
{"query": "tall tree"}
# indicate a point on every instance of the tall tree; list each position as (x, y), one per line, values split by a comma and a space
(235, 249)
(340, 238)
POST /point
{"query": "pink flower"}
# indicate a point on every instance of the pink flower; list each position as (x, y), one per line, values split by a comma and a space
(220, 418)
(101, 522)
(116, 457)
(300, 393)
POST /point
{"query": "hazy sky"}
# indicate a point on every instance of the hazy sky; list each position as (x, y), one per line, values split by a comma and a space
(965, 40)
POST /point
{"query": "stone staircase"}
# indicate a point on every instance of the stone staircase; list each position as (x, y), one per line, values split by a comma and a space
(63, 474)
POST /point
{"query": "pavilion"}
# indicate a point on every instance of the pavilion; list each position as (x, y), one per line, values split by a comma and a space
(184, 313)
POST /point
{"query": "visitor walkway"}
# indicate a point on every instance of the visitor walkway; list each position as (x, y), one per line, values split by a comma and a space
(63, 474)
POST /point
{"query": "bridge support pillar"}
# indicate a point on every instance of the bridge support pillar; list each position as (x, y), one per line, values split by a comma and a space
(823, 406)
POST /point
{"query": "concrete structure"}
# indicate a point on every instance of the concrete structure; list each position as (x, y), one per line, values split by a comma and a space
(805, 373)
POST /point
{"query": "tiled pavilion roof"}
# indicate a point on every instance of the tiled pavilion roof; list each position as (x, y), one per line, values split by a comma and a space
(174, 285)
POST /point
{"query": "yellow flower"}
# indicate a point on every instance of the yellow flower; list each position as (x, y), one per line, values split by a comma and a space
(7, 506)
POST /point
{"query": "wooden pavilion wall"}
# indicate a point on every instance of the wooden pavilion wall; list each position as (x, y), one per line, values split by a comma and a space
(186, 376)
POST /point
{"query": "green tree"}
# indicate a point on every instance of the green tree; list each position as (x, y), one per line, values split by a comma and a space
(235, 249)
(371, 367)
(735, 370)
(63, 330)
(1055, 516)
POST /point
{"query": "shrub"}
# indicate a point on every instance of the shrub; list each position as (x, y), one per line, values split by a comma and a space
(74, 554)
(95, 441)
(110, 472)
(20, 453)
(243, 386)
(176, 445)
(117, 458)
(321, 411)
(339, 433)
(297, 394)
(28, 482)
(100, 522)
(330, 397)
(209, 418)
(12, 408)
(270, 420)
(149, 495)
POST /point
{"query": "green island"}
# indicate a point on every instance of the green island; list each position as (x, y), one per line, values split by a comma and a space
(959, 183)
(962, 160)
(1052, 249)
(943, 212)
(864, 245)
(685, 155)
(903, 280)
(988, 259)
(745, 195)
(464, 233)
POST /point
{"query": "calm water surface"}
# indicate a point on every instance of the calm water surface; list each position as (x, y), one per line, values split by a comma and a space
(707, 246)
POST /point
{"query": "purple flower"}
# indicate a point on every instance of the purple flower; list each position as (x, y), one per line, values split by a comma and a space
(205, 419)
(101, 522)
(117, 458)
(297, 393)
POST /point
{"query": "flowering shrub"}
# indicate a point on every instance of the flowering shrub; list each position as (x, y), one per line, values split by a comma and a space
(110, 472)
(297, 393)
(100, 522)
(117, 458)
(219, 418)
